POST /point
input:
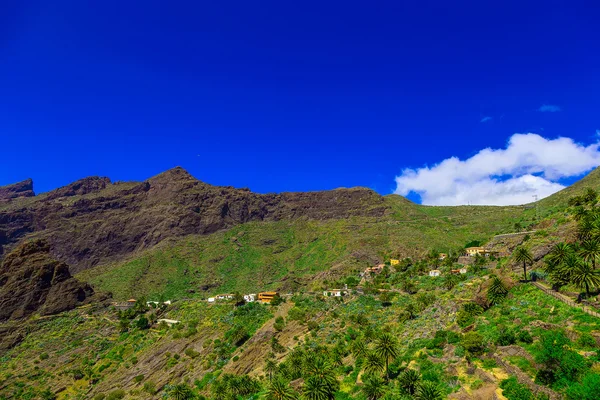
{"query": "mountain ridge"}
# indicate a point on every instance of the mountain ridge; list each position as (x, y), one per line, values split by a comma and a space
(93, 220)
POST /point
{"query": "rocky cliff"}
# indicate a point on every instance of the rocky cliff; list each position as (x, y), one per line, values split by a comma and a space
(93, 220)
(17, 190)
(32, 281)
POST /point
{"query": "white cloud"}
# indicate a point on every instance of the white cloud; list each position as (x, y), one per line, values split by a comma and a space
(529, 165)
(486, 119)
(549, 108)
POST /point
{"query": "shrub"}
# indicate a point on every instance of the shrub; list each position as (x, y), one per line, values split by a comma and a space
(473, 343)
(588, 389)
(142, 323)
(513, 390)
(116, 394)
(191, 353)
(44, 356)
(505, 337)
(279, 324)
(149, 387)
(138, 378)
(100, 396)
(525, 337)
(585, 340)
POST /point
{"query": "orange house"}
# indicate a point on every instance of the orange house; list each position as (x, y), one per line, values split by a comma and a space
(267, 297)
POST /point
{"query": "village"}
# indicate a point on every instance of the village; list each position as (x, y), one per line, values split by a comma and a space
(268, 297)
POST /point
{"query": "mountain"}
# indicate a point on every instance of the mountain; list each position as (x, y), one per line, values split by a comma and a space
(175, 238)
(173, 235)
(93, 221)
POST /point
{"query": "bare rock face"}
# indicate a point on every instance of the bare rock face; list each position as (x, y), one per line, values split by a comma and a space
(80, 187)
(16, 190)
(32, 281)
(104, 221)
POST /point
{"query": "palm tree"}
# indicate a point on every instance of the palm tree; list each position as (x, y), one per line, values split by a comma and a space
(181, 392)
(321, 370)
(373, 387)
(428, 391)
(522, 255)
(359, 349)
(560, 252)
(386, 348)
(580, 213)
(585, 229)
(584, 276)
(409, 381)
(279, 390)
(374, 364)
(590, 250)
(270, 368)
(497, 291)
(314, 389)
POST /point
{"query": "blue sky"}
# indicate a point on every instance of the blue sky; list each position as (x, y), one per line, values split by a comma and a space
(277, 96)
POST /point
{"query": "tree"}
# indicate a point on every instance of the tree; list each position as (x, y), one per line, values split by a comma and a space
(386, 348)
(428, 391)
(450, 282)
(238, 299)
(585, 228)
(322, 372)
(559, 254)
(278, 389)
(522, 255)
(359, 349)
(314, 389)
(142, 323)
(497, 291)
(409, 381)
(374, 364)
(181, 392)
(590, 196)
(584, 276)
(373, 387)
(590, 250)
(270, 368)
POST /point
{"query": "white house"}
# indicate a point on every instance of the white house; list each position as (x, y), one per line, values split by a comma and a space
(224, 296)
(156, 303)
(435, 272)
(249, 298)
(211, 299)
(463, 270)
(335, 293)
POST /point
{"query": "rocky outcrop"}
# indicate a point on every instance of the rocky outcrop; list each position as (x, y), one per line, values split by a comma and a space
(17, 190)
(80, 187)
(104, 222)
(32, 281)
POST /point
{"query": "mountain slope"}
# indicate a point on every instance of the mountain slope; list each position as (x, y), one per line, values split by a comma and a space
(93, 221)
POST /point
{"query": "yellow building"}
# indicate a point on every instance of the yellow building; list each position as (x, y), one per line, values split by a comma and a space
(266, 297)
(473, 251)
(394, 262)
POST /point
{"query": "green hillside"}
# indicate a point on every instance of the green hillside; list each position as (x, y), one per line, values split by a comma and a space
(286, 254)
